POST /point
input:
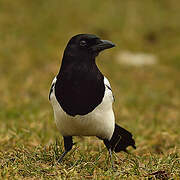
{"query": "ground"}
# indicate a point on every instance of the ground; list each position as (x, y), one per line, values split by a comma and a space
(32, 38)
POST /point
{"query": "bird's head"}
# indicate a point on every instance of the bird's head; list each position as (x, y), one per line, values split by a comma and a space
(86, 45)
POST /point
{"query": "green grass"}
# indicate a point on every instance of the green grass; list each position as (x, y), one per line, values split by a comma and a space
(33, 35)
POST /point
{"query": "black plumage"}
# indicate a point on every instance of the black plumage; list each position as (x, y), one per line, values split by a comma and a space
(81, 90)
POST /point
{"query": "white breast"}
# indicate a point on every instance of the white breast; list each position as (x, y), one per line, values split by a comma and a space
(100, 122)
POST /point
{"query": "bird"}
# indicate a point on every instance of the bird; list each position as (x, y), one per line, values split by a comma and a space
(82, 98)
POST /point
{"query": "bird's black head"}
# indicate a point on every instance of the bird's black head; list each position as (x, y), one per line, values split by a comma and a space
(86, 45)
(80, 87)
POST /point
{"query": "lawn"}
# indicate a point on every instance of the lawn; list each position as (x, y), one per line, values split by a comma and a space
(33, 35)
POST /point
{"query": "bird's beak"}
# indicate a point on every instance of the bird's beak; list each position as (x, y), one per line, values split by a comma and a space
(102, 45)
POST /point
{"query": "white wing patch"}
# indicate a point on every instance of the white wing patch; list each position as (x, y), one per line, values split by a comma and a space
(106, 82)
(108, 87)
(52, 87)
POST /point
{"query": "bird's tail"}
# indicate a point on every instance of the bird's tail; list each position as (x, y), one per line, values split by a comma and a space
(120, 140)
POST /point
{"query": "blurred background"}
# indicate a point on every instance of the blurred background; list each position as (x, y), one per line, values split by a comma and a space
(143, 68)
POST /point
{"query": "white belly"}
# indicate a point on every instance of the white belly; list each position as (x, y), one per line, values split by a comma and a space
(100, 122)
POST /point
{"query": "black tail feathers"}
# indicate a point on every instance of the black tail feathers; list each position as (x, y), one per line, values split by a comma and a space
(120, 140)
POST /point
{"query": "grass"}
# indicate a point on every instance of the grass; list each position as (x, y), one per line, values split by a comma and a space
(32, 38)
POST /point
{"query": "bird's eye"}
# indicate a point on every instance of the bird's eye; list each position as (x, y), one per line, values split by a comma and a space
(83, 43)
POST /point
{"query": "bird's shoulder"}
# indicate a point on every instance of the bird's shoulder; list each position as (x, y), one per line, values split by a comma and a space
(108, 87)
(107, 83)
(52, 86)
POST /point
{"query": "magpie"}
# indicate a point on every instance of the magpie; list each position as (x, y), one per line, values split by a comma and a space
(81, 97)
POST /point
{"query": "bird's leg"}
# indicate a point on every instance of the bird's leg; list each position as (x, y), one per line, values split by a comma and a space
(68, 143)
(111, 158)
(109, 147)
